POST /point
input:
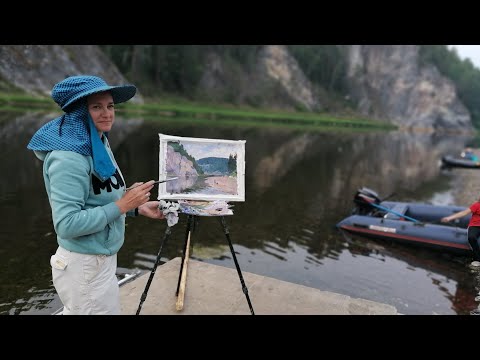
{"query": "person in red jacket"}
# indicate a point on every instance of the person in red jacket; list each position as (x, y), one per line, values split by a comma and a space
(473, 228)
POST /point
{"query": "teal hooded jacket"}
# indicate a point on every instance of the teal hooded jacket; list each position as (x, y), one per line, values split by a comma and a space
(85, 216)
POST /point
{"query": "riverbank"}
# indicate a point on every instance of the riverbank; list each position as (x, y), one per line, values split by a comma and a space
(219, 114)
(217, 290)
(466, 185)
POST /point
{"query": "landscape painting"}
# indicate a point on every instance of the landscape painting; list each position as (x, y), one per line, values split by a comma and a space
(207, 169)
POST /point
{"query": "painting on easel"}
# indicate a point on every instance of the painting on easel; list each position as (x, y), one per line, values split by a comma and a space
(207, 169)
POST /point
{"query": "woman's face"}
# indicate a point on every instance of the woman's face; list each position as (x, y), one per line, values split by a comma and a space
(102, 110)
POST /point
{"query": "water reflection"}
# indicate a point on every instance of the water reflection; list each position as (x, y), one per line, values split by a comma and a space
(297, 187)
(445, 271)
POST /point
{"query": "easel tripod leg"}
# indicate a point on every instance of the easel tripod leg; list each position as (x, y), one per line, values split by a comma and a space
(168, 231)
(244, 287)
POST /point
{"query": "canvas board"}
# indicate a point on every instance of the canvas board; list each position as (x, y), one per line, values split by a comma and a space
(207, 169)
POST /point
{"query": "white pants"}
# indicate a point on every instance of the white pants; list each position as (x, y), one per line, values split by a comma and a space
(86, 284)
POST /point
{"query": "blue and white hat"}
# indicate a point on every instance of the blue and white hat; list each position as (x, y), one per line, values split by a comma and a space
(75, 130)
(74, 88)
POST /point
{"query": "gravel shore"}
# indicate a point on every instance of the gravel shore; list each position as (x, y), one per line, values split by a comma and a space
(466, 186)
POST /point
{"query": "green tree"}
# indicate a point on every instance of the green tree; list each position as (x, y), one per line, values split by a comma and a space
(232, 164)
(322, 64)
(462, 72)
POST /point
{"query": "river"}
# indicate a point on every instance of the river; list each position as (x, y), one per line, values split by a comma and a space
(298, 185)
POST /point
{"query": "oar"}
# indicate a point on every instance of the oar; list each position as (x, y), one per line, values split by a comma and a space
(438, 222)
(394, 212)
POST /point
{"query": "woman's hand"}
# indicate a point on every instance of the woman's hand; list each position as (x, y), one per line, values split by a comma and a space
(151, 210)
(138, 195)
(445, 219)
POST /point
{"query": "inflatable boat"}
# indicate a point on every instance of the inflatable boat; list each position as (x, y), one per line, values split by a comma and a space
(449, 161)
(409, 223)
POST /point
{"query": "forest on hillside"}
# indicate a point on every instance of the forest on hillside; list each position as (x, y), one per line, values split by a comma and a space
(177, 69)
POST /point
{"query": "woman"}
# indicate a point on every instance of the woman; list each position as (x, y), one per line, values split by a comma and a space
(87, 193)
(473, 228)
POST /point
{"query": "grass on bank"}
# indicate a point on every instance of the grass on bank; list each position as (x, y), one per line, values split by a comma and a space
(219, 113)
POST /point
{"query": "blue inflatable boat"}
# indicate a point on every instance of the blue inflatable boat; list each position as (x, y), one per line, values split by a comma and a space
(409, 223)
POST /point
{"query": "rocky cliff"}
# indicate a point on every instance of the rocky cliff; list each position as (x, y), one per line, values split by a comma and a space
(275, 81)
(385, 82)
(388, 83)
(36, 68)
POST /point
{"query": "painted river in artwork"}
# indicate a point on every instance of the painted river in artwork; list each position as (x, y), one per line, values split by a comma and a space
(298, 185)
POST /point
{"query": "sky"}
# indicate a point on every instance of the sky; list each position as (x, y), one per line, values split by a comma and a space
(201, 150)
(469, 51)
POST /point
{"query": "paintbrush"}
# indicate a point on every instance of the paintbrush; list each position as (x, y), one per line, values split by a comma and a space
(156, 182)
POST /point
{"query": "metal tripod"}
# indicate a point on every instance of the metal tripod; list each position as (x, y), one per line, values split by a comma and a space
(190, 228)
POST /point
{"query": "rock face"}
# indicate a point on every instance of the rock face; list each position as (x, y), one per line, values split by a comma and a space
(388, 83)
(279, 65)
(36, 68)
(178, 164)
(275, 81)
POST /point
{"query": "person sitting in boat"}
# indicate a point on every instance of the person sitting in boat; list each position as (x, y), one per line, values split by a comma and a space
(473, 230)
(469, 154)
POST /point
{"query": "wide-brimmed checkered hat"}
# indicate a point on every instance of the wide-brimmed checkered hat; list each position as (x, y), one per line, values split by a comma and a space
(74, 88)
(75, 130)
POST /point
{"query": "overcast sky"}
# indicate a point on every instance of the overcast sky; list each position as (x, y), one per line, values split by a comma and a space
(470, 51)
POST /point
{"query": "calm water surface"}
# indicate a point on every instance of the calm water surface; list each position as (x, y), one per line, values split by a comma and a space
(298, 186)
